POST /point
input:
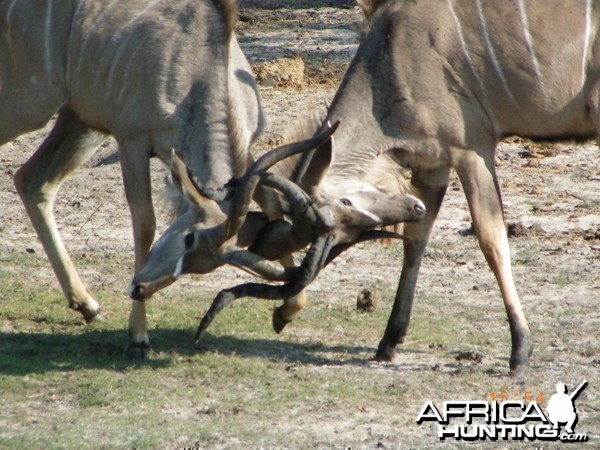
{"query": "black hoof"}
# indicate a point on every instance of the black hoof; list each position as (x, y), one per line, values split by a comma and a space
(519, 366)
(519, 358)
(96, 318)
(138, 352)
(279, 322)
(385, 352)
(89, 315)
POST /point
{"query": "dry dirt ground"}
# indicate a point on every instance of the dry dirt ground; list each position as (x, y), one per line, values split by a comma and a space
(299, 50)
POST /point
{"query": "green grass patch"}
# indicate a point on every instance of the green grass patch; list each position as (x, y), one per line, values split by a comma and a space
(527, 255)
(65, 384)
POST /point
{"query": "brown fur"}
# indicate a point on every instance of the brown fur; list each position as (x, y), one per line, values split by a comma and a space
(389, 176)
(240, 156)
(384, 174)
(368, 8)
(229, 9)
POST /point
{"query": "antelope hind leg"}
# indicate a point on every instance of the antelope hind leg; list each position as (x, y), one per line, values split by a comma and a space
(67, 147)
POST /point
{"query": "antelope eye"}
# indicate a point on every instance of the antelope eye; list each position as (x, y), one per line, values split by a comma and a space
(189, 240)
(345, 201)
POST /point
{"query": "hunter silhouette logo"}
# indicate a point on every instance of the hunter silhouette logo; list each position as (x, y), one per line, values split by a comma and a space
(518, 420)
(561, 406)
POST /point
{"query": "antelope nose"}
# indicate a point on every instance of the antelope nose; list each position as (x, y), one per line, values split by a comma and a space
(138, 292)
(419, 208)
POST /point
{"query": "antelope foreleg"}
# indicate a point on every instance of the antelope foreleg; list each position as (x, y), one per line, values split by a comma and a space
(293, 305)
(431, 185)
(478, 177)
(135, 166)
(285, 313)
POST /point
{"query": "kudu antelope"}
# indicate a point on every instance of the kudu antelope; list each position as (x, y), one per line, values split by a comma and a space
(332, 224)
(156, 75)
(437, 84)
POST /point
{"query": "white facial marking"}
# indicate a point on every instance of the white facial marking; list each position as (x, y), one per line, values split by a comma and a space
(375, 217)
(347, 187)
(178, 268)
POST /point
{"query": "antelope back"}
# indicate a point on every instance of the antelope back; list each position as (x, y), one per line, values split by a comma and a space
(430, 75)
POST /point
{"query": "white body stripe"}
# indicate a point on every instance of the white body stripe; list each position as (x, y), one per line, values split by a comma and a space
(9, 10)
(47, 37)
(142, 12)
(463, 43)
(492, 52)
(529, 42)
(123, 45)
(70, 43)
(8, 14)
(97, 22)
(586, 38)
(132, 58)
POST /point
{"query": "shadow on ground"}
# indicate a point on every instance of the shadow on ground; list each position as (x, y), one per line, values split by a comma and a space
(27, 353)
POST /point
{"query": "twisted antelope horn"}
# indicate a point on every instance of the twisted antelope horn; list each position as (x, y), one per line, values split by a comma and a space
(300, 202)
(299, 279)
(240, 202)
(368, 235)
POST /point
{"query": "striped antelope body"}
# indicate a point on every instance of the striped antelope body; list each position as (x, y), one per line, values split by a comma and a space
(154, 74)
(436, 84)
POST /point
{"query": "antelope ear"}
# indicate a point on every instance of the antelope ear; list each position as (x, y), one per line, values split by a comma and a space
(321, 161)
(182, 178)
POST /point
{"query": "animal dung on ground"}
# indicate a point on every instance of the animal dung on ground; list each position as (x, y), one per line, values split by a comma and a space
(368, 300)
(282, 73)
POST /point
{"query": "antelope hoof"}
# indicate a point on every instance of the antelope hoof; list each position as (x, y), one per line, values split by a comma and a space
(89, 313)
(519, 358)
(279, 322)
(138, 351)
(385, 352)
(139, 344)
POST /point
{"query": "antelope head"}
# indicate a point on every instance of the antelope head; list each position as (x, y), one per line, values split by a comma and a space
(210, 232)
(357, 207)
